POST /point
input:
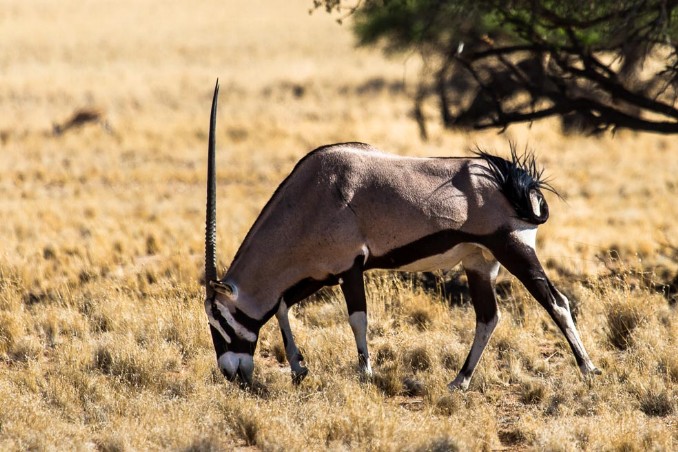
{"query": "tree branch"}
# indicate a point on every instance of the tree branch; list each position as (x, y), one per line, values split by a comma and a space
(607, 116)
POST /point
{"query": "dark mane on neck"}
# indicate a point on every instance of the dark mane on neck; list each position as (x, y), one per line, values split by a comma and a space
(515, 178)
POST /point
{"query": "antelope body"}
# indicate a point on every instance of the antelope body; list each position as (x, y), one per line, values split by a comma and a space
(347, 208)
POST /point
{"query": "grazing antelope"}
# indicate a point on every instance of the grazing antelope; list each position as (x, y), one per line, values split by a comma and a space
(347, 208)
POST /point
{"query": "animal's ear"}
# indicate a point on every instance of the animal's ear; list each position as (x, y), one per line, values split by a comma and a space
(540, 210)
(223, 288)
(536, 203)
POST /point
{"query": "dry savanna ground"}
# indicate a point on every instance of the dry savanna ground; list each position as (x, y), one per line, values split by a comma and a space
(103, 340)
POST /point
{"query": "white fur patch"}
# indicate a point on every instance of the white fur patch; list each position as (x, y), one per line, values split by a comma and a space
(218, 327)
(534, 202)
(570, 331)
(448, 259)
(527, 236)
(240, 330)
(358, 322)
(366, 253)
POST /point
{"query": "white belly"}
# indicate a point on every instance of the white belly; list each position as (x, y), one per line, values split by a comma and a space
(445, 260)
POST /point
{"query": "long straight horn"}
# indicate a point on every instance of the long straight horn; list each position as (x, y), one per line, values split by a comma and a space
(211, 211)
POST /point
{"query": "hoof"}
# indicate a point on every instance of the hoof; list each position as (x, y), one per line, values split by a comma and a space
(591, 372)
(454, 387)
(459, 384)
(366, 375)
(591, 375)
(298, 376)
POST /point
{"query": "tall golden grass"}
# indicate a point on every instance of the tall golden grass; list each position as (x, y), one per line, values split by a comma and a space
(103, 340)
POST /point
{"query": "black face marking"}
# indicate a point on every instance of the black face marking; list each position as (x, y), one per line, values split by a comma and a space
(222, 322)
(220, 345)
(238, 344)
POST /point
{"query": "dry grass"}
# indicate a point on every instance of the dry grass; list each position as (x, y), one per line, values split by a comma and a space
(103, 339)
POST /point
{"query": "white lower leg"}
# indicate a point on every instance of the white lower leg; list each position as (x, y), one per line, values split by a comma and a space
(570, 330)
(358, 322)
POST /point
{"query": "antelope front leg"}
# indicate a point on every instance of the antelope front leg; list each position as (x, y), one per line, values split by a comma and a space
(481, 275)
(294, 357)
(353, 287)
(519, 257)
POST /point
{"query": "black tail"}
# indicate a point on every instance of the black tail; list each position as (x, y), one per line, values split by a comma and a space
(211, 211)
(516, 178)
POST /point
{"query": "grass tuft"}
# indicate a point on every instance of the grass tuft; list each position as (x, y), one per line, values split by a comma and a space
(440, 444)
(622, 320)
(414, 387)
(421, 318)
(247, 427)
(388, 380)
(385, 354)
(449, 404)
(10, 331)
(111, 443)
(26, 349)
(103, 359)
(532, 392)
(659, 403)
(418, 359)
(278, 350)
(514, 437)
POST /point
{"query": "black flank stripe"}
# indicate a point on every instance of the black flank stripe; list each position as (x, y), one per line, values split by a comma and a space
(430, 245)
(305, 288)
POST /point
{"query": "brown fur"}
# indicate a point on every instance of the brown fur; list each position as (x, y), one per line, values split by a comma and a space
(353, 195)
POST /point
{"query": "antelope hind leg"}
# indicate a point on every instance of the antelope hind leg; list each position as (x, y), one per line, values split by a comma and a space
(481, 274)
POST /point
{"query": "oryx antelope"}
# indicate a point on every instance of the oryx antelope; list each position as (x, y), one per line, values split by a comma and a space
(347, 208)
